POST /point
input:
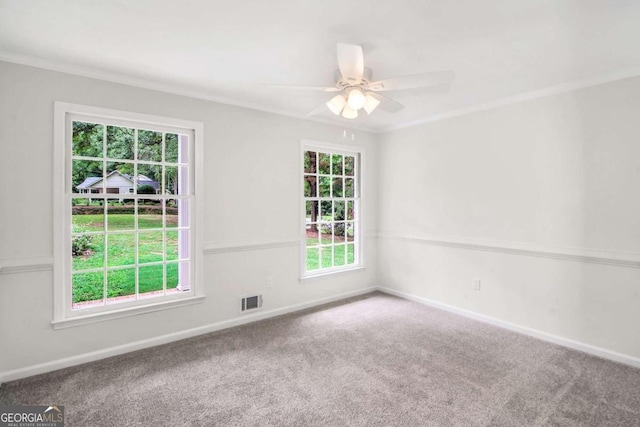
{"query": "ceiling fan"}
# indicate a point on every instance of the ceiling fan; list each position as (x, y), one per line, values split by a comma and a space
(358, 91)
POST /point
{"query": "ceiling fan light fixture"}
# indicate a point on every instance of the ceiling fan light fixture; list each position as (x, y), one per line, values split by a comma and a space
(349, 113)
(356, 99)
(370, 103)
(336, 104)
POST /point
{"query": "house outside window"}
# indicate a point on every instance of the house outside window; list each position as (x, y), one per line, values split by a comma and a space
(331, 208)
(126, 213)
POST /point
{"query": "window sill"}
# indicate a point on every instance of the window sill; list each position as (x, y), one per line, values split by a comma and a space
(325, 275)
(125, 312)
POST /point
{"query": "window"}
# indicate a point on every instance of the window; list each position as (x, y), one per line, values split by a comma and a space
(126, 202)
(331, 208)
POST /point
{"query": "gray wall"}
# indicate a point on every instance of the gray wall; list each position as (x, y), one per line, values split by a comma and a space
(251, 195)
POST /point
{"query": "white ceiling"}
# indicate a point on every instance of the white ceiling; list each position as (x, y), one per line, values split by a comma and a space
(228, 50)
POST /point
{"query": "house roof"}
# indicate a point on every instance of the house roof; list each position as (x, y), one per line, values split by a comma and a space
(91, 181)
(87, 183)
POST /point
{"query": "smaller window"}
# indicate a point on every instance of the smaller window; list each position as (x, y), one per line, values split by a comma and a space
(331, 219)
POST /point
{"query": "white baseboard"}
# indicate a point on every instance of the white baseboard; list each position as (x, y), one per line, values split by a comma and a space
(565, 342)
(244, 319)
(66, 362)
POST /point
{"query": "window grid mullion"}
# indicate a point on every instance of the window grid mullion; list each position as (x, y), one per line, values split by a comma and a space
(321, 248)
(142, 162)
(114, 196)
(164, 246)
(356, 205)
(125, 267)
(104, 213)
(163, 172)
(332, 224)
(136, 203)
(344, 208)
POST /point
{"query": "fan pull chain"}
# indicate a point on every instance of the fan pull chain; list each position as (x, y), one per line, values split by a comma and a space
(344, 135)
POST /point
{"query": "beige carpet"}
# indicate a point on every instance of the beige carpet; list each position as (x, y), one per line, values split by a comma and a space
(369, 361)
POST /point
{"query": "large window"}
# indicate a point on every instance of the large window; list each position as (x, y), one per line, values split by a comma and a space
(331, 219)
(127, 236)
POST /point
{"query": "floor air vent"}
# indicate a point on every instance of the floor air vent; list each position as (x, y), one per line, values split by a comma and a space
(249, 303)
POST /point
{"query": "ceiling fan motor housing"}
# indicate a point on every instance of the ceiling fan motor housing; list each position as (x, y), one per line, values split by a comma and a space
(367, 75)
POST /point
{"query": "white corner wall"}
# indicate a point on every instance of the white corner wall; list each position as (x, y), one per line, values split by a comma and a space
(251, 225)
(539, 200)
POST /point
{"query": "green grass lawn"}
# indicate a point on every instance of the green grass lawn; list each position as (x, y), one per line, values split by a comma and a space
(322, 256)
(89, 286)
(121, 252)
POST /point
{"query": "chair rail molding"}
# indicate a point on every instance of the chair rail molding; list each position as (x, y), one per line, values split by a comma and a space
(594, 256)
(25, 265)
(211, 248)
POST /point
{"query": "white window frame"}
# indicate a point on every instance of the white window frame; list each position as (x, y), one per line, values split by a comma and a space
(345, 150)
(63, 314)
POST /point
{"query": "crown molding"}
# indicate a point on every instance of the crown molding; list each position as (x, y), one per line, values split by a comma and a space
(174, 89)
(522, 97)
(94, 73)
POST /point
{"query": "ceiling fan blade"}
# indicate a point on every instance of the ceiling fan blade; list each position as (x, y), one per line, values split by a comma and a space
(414, 81)
(388, 104)
(303, 87)
(350, 62)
